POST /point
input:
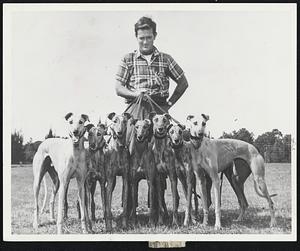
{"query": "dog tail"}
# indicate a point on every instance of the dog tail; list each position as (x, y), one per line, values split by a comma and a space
(259, 193)
(45, 195)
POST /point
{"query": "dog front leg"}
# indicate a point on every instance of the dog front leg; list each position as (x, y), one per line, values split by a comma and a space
(61, 199)
(216, 184)
(203, 191)
(175, 196)
(187, 217)
(82, 203)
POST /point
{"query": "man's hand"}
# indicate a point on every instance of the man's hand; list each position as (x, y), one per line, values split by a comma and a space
(140, 91)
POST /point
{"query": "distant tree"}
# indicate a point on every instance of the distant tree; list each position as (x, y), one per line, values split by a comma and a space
(30, 149)
(17, 149)
(241, 134)
(274, 147)
(287, 142)
(50, 134)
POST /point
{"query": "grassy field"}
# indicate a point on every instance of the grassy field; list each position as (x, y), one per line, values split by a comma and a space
(257, 219)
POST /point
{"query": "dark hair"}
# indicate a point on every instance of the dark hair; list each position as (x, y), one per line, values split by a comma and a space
(145, 23)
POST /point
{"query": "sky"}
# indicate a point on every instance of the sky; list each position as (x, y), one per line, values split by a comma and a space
(240, 62)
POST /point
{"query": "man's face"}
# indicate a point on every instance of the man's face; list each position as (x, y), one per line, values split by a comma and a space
(145, 40)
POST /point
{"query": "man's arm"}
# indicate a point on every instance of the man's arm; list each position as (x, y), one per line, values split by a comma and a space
(182, 85)
(124, 92)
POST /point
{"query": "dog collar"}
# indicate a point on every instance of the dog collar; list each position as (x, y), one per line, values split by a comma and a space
(176, 146)
(98, 148)
(197, 139)
(159, 137)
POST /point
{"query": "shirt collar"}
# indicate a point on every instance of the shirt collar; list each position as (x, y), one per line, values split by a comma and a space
(138, 53)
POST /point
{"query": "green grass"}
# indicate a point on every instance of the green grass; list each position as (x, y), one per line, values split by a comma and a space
(257, 218)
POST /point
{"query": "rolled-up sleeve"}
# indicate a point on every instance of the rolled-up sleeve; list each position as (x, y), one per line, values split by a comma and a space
(123, 72)
(174, 69)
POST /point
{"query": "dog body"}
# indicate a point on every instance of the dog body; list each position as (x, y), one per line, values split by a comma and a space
(183, 167)
(214, 156)
(68, 158)
(96, 167)
(165, 164)
(117, 164)
(142, 165)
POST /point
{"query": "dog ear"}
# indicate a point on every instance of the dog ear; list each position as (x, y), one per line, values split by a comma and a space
(182, 127)
(85, 117)
(169, 127)
(205, 117)
(68, 115)
(133, 121)
(89, 126)
(190, 117)
(151, 115)
(127, 115)
(167, 115)
(111, 115)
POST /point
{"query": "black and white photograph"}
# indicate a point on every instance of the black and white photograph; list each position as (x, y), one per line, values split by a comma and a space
(153, 122)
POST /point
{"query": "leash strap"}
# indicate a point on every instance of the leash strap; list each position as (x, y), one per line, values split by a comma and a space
(159, 107)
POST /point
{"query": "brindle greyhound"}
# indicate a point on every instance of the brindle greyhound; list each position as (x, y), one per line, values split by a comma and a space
(142, 164)
(215, 156)
(68, 157)
(183, 168)
(96, 170)
(165, 163)
(117, 164)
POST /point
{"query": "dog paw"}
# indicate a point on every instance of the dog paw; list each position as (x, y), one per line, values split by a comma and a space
(217, 227)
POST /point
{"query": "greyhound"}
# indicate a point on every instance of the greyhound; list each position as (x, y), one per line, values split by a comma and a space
(165, 163)
(214, 156)
(117, 164)
(142, 164)
(183, 167)
(68, 157)
(96, 170)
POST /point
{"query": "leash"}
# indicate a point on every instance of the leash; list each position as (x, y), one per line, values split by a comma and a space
(152, 102)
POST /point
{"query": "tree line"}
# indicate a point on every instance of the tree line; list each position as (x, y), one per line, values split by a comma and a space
(273, 146)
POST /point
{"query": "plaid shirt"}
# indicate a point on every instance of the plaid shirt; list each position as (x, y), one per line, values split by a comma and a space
(135, 73)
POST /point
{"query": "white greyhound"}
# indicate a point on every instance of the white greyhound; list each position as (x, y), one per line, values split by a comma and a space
(68, 158)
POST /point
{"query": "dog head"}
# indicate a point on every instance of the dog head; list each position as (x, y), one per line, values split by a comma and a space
(118, 125)
(175, 133)
(142, 129)
(77, 126)
(96, 136)
(197, 126)
(160, 124)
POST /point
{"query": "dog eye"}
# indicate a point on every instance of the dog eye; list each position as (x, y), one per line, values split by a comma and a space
(172, 131)
(80, 122)
(195, 123)
(98, 134)
(71, 122)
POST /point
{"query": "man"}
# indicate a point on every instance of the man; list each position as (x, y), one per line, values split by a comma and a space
(148, 70)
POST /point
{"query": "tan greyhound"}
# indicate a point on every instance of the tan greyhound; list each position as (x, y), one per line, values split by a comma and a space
(215, 155)
(68, 158)
(117, 164)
